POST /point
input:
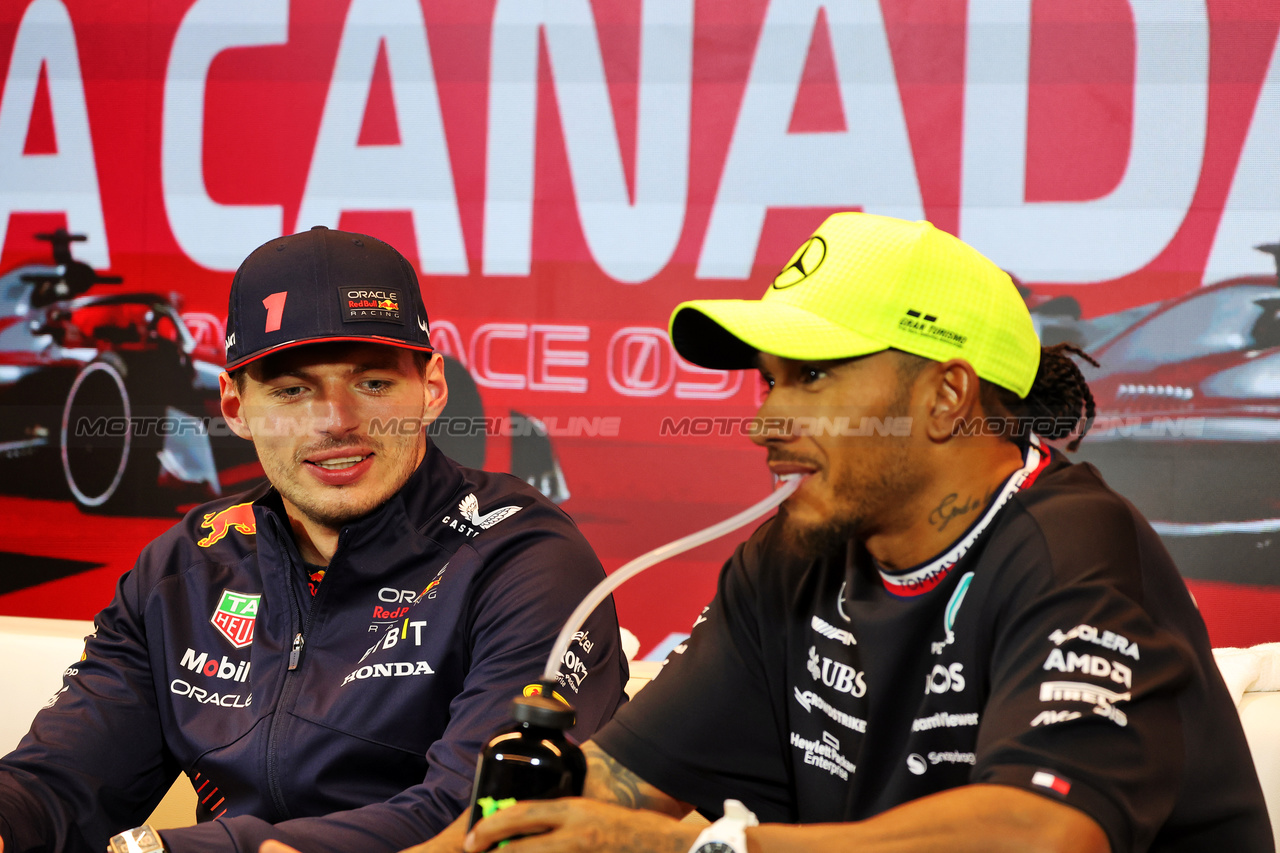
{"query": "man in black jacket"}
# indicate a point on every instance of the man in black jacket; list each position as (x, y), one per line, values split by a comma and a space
(324, 656)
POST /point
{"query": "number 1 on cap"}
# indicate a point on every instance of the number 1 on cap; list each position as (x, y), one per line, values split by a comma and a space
(275, 310)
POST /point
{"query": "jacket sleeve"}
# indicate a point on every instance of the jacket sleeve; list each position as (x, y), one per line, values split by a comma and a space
(526, 592)
(94, 760)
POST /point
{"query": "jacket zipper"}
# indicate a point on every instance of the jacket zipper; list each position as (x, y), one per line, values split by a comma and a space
(300, 627)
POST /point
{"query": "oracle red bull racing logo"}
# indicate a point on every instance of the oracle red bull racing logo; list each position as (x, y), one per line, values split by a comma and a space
(362, 304)
(234, 617)
(238, 517)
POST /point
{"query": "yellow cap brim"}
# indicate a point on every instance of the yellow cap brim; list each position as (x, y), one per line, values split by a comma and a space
(726, 334)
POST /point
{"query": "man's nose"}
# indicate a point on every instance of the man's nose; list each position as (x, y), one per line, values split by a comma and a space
(772, 425)
(336, 412)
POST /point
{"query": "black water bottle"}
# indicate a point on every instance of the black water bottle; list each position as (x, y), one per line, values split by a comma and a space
(529, 760)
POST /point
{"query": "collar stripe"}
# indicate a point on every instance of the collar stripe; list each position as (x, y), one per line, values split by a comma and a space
(923, 579)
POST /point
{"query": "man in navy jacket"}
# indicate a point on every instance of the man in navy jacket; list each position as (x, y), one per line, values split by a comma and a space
(324, 656)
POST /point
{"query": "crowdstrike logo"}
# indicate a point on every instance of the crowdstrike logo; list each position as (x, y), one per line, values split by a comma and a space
(810, 700)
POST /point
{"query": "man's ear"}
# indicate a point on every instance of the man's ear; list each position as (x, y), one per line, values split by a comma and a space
(954, 399)
(437, 390)
(232, 406)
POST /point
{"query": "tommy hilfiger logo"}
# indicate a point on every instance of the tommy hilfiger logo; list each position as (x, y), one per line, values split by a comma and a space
(379, 304)
(919, 323)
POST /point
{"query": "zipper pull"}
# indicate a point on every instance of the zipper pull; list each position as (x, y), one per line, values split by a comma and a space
(295, 653)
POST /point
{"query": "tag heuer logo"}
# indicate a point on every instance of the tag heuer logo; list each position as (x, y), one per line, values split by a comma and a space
(234, 617)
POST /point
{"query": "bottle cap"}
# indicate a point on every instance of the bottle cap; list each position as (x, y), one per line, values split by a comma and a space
(543, 711)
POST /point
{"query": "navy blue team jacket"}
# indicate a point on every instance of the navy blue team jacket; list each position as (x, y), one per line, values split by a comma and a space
(350, 720)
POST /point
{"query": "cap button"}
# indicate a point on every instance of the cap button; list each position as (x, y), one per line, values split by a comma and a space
(319, 228)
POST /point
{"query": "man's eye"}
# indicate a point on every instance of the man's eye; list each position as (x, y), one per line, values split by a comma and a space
(810, 375)
(290, 392)
(376, 385)
(767, 381)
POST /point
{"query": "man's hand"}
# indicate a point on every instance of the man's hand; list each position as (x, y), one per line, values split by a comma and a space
(579, 825)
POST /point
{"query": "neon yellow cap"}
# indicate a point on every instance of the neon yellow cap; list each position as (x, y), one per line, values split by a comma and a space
(865, 283)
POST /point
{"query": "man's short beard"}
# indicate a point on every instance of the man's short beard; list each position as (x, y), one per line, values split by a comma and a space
(815, 541)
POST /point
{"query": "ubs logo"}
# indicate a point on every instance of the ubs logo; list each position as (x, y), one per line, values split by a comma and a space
(803, 263)
(834, 674)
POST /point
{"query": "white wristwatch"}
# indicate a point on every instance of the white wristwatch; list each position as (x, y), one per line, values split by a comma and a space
(729, 833)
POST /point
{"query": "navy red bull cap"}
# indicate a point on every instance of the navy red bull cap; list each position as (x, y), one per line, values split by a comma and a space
(323, 285)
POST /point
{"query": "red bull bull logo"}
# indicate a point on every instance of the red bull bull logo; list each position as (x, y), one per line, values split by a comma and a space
(536, 690)
(235, 615)
(240, 517)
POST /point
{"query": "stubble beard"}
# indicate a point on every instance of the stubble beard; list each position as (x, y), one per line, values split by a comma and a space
(333, 508)
(860, 501)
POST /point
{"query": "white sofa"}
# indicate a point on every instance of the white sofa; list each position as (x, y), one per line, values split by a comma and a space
(33, 655)
(35, 652)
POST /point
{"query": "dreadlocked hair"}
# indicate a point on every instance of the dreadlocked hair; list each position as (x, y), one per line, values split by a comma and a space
(1059, 402)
